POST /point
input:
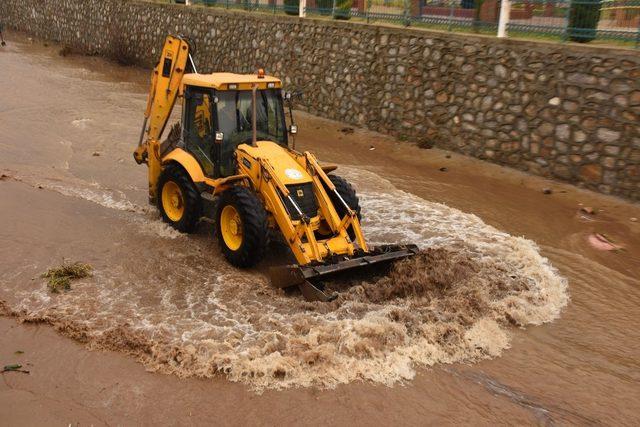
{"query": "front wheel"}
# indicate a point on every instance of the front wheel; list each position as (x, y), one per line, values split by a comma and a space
(348, 194)
(242, 227)
(179, 201)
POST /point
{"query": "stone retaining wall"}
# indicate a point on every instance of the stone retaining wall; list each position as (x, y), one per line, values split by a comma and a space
(569, 112)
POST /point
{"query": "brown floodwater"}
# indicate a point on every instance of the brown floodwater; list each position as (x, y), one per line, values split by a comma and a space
(509, 315)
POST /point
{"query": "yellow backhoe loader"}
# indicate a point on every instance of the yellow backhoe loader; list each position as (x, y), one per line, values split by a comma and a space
(232, 147)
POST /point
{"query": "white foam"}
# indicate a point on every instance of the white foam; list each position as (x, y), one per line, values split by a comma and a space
(204, 318)
(81, 123)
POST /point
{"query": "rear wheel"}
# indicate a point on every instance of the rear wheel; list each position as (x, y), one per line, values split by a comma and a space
(242, 227)
(178, 199)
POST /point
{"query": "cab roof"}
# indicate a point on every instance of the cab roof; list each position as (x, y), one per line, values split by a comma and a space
(221, 81)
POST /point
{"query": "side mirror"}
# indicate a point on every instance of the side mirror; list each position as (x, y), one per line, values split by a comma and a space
(288, 96)
(219, 137)
(293, 129)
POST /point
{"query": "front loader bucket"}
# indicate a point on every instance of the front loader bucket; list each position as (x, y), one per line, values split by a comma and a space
(304, 276)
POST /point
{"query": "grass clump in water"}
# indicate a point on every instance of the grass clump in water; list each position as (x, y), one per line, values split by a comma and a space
(59, 278)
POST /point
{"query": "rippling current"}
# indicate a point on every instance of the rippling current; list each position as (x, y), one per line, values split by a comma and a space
(194, 315)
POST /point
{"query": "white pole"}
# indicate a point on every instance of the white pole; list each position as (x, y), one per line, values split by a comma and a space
(187, 2)
(505, 9)
(302, 8)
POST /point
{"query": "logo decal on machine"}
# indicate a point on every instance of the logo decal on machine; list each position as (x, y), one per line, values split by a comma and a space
(293, 173)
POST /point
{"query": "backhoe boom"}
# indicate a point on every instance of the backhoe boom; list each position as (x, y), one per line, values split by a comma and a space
(166, 80)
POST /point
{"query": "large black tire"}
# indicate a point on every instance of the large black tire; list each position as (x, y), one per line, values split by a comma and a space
(347, 192)
(190, 200)
(254, 227)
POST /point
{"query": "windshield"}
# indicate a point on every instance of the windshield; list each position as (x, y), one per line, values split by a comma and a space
(234, 115)
(234, 121)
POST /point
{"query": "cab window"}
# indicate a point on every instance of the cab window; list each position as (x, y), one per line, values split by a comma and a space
(199, 134)
(235, 122)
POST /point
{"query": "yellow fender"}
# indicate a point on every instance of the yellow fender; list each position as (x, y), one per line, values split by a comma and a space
(188, 162)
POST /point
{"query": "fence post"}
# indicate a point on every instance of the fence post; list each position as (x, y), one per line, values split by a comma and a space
(368, 9)
(333, 9)
(302, 8)
(505, 9)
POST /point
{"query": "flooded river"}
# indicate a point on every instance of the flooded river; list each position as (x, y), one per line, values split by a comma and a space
(508, 315)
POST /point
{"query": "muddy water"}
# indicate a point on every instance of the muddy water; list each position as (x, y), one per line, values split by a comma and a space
(478, 292)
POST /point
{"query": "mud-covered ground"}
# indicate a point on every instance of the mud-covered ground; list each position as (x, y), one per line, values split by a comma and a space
(509, 315)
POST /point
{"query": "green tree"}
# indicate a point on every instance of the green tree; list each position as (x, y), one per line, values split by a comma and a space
(291, 7)
(476, 15)
(584, 17)
(343, 9)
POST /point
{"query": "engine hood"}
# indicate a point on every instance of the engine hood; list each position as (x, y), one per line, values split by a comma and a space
(282, 160)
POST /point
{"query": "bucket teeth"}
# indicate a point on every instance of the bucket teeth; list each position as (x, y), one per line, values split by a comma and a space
(303, 276)
(313, 293)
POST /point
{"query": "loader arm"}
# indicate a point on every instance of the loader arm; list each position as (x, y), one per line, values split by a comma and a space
(166, 79)
(293, 231)
(350, 219)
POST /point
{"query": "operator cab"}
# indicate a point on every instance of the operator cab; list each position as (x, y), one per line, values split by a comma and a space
(217, 117)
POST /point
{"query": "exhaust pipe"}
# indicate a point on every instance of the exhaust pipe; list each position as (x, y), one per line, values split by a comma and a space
(254, 123)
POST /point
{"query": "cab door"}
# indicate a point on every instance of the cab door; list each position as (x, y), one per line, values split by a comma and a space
(198, 128)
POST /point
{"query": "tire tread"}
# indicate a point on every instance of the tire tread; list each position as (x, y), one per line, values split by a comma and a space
(193, 201)
(255, 227)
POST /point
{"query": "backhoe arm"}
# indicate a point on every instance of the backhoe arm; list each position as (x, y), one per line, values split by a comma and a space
(166, 79)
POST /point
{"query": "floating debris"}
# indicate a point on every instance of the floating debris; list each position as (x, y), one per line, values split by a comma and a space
(14, 368)
(59, 278)
(347, 130)
(588, 210)
(603, 243)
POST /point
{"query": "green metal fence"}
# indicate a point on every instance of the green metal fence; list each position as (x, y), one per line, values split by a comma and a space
(582, 21)
(268, 6)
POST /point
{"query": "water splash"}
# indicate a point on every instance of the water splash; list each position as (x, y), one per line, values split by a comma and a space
(194, 315)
